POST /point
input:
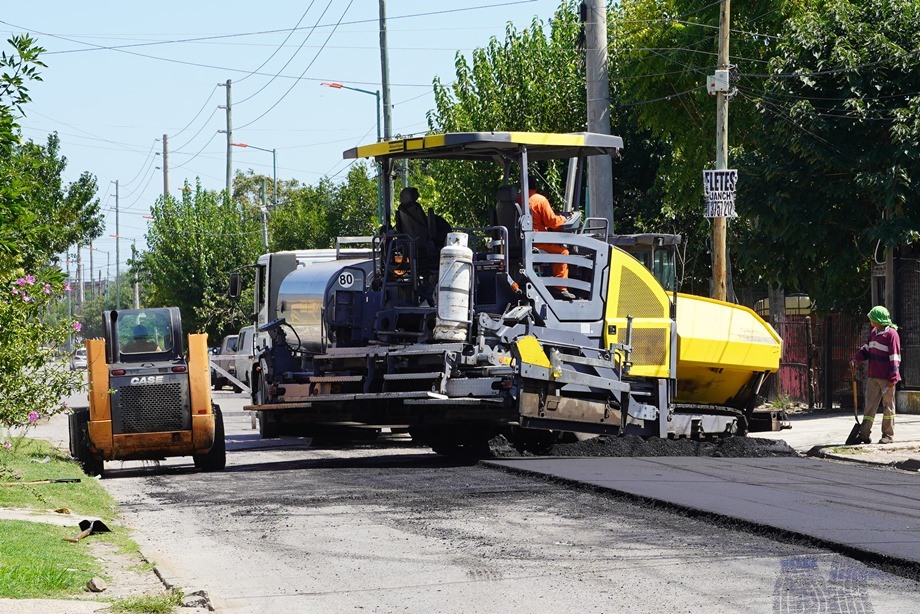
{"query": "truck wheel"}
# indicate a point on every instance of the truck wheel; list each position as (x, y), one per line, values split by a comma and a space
(268, 425)
(214, 459)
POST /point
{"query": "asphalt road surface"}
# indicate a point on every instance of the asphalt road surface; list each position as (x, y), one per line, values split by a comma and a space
(394, 528)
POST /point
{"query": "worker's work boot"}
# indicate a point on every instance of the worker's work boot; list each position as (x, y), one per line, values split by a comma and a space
(886, 439)
(564, 294)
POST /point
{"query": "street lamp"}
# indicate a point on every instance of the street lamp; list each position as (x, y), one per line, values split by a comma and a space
(376, 94)
(274, 168)
(274, 185)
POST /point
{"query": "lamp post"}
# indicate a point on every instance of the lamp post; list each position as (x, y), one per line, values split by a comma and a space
(263, 210)
(274, 168)
(375, 94)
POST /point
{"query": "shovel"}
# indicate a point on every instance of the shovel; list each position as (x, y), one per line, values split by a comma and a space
(854, 432)
(88, 527)
(49, 481)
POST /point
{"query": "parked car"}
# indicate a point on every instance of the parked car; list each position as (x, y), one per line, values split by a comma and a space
(227, 349)
(78, 360)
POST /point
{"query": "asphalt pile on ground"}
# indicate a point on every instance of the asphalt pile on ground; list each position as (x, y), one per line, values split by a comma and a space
(630, 445)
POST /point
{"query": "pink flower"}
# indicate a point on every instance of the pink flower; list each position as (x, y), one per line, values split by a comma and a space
(47, 289)
(77, 326)
(26, 298)
(33, 417)
(30, 279)
(21, 281)
(7, 445)
(67, 286)
(15, 291)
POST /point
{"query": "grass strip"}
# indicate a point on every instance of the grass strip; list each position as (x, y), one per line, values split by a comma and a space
(35, 561)
(34, 460)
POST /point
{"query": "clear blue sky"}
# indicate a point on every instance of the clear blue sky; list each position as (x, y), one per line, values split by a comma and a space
(110, 107)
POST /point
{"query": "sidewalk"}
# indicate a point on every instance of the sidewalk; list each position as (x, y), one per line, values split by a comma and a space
(130, 583)
(822, 433)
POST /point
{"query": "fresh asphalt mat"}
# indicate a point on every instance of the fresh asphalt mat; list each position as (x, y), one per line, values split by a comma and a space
(852, 508)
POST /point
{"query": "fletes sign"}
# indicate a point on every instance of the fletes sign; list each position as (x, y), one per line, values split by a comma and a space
(719, 187)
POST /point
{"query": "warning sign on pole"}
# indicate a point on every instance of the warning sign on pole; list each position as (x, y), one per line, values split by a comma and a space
(719, 187)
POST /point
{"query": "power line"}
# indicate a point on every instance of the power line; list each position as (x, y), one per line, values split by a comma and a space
(261, 32)
(198, 113)
(294, 55)
(213, 136)
(315, 57)
(286, 39)
(188, 142)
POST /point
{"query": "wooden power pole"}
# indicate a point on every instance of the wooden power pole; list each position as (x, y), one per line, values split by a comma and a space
(600, 168)
(719, 224)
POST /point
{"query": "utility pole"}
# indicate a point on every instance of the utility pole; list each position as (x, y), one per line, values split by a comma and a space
(600, 168)
(719, 224)
(137, 292)
(117, 251)
(165, 167)
(387, 120)
(92, 281)
(80, 295)
(264, 211)
(69, 301)
(229, 132)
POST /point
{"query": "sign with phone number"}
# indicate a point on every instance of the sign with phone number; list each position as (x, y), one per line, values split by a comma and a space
(719, 188)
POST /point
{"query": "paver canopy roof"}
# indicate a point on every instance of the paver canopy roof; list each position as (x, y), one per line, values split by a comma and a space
(492, 146)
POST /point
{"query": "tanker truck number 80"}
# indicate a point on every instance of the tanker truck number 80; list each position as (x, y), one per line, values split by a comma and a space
(346, 280)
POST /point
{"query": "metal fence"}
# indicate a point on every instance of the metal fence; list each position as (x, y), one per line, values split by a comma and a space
(814, 367)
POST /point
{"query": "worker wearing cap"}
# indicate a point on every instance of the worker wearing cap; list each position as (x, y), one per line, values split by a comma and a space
(883, 353)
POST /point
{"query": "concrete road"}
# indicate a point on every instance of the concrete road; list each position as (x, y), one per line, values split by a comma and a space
(392, 527)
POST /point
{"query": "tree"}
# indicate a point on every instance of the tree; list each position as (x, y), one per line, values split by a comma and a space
(313, 216)
(533, 80)
(833, 179)
(18, 230)
(66, 215)
(33, 377)
(193, 245)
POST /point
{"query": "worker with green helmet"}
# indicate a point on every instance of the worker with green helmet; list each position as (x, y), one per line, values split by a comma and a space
(882, 352)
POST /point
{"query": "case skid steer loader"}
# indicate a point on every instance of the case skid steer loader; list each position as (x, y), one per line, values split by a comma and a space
(147, 399)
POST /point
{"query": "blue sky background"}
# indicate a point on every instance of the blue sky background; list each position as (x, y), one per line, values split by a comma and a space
(110, 107)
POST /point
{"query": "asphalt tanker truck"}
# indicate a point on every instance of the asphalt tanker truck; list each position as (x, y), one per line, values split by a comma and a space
(461, 334)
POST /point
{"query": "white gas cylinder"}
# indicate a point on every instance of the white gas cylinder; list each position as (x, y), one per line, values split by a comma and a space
(455, 278)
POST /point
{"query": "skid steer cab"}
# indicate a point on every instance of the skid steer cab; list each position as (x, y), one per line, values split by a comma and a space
(148, 399)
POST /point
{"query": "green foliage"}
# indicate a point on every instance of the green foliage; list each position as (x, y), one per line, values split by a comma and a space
(533, 80)
(833, 178)
(313, 216)
(38, 218)
(61, 215)
(35, 376)
(16, 70)
(193, 246)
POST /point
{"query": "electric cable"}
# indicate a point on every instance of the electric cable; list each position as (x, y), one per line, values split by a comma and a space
(315, 57)
(291, 59)
(286, 39)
